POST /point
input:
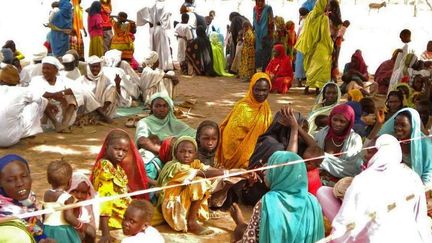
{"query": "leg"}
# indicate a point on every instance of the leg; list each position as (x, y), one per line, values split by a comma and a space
(51, 114)
(238, 218)
(68, 114)
(192, 220)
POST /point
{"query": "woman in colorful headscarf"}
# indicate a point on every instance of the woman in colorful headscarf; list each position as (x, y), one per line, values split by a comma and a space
(403, 73)
(199, 54)
(354, 73)
(288, 212)
(218, 55)
(249, 118)
(61, 26)
(316, 45)
(161, 124)
(263, 26)
(339, 137)
(95, 29)
(280, 70)
(383, 183)
(328, 98)
(17, 198)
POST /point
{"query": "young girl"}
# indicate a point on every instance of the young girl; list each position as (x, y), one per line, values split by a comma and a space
(207, 138)
(61, 225)
(118, 167)
(82, 189)
(136, 223)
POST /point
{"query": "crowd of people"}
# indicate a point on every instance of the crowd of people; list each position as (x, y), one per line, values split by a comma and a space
(357, 171)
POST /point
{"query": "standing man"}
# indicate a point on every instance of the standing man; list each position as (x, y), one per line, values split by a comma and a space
(160, 21)
(263, 26)
(106, 24)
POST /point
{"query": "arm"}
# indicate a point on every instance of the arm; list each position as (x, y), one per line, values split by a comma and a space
(380, 119)
(103, 225)
(307, 138)
(57, 95)
(147, 144)
(69, 216)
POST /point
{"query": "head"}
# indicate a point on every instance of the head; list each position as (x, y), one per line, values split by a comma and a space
(429, 46)
(152, 60)
(166, 148)
(122, 17)
(368, 106)
(9, 75)
(95, 68)
(81, 187)
(233, 15)
(259, 87)
(355, 95)
(212, 13)
(405, 36)
(76, 56)
(117, 146)
(185, 150)
(68, 61)
(321, 121)
(303, 12)
(260, 3)
(311, 155)
(15, 179)
(346, 23)
(418, 82)
(403, 126)
(341, 120)
(11, 45)
(207, 136)
(59, 174)
(185, 18)
(208, 20)
(95, 8)
(8, 55)
(385, 155)
(404, 89)
(394, 101)
(137, 217)
(159, 108)
(246, 26)
(50, 68)
(55, 4)
(278, 50)
(423, 108)
(330, 94)
(39, 54)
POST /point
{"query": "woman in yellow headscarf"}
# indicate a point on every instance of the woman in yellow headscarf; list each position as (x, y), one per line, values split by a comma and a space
(250, 117)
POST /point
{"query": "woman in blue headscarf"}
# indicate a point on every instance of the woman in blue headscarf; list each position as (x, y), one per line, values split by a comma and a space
(288, 212)
(17, 198)
(61, 26)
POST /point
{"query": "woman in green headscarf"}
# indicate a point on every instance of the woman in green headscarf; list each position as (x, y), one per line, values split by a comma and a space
(219, 62)
(288, 212)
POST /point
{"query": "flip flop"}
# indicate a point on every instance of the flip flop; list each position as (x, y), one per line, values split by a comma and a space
(130, 123)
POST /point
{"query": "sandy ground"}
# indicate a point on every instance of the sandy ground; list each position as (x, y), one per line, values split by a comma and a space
(215, 97)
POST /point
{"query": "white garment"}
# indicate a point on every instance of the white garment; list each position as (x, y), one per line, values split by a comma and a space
(129, 89)
(384, 182)
(398, 72)
(184, 34)
(73, 75)
(154, 82)
(33, 69)
(132, 76)
(20, 114)
(159, 42)
(150, 235)
(24, 78)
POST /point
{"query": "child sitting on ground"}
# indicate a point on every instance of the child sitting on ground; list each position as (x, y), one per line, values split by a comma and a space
(136, 224)
(82, 189)
(61, 225)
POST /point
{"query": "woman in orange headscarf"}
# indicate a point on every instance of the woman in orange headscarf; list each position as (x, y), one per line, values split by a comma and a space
(250, 117)
(280, 70)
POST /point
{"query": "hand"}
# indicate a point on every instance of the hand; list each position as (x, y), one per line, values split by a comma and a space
(52, 108)
(89, 230)
(252, 178)
(288, 117)
(380, 116)
(117, 80)
(105, 239)
(67, 31)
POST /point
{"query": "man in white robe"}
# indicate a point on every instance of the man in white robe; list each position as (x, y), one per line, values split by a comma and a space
(159, 20)
(34, 69)
(71, 70)
(20, 110)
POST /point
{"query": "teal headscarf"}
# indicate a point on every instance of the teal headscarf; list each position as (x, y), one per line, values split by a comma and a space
(421, 149)
(163, 128)
(289, 213)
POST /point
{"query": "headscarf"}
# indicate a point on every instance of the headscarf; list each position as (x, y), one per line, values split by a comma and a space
(177, 143)
(9, 75)
(348, 113)
(258, 11)
(253, 117)
(77, 179)
(281, 66)
(289, 213)
(151, 59)
(356, 95)
(8, 55)
(53, 61)
(95, 8)
(362, 68)
(421, 148)
(165, 151)
(389, 148)
(132, 164)
(112, 58)
(207, 157)
(163, 128)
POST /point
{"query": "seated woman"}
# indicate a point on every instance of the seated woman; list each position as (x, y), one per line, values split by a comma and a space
(182, 207)
(355, 73)
(406, 124)
(339, 137)
(383, 183)
(199, 54)
(384, 72)
(118, 169)
(393, 103)
(158, 126)
(324, 103)
(249, 118)
(218, 55)
(288, 208)
(16, 198)
(280, 70)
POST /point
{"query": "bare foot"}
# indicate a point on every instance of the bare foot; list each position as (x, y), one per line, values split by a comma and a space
(198, 229)
(236, 214)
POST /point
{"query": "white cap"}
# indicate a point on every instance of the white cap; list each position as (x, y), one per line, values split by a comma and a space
(53, 61)
(151, 58)
(94, 59)
(40, 54)
(68, 58)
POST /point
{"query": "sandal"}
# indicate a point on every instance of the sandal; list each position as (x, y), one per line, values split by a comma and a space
(130, 123)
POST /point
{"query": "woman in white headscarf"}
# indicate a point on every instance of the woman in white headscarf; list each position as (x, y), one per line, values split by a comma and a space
(155, 80)
(385, 203)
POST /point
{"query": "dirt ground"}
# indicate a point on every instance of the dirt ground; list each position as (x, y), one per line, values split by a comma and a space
(215, 97)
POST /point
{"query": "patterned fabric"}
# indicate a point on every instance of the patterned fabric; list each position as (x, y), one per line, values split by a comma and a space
(247, 62)
(251, 235)
(123, 39)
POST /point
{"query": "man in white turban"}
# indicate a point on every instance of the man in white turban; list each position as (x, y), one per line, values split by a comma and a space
(155, 80)
(35, 68)
(71, 70)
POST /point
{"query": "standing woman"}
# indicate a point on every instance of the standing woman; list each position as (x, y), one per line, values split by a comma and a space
(263, 26)
(77, 26)
(95, 30)
(61, 27)
(247, 61)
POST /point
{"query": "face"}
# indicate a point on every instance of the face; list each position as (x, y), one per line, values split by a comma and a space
(16, 181)
(95, 68)
(259, 3)
(49, 71)
(261, 90)
(276, 53)
(330, 95)
(354, 62)
(339, 124)
(160, 108)
(394, 104)
(117, 150)
(122, 18)
(208, 138)
(186, 152)
(404, 90)
(402, 127)
(81, 192)
(133, 222)
(417, 83)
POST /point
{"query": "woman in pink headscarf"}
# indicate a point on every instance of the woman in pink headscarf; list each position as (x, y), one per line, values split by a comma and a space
(280, 70)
